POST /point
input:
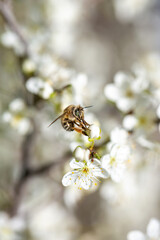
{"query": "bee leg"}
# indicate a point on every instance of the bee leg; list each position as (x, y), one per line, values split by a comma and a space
(82, 131)
(85, 123)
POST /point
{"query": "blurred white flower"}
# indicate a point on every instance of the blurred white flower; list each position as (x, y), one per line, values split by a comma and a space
(52, 222)
(79, 85)
(130, 122)
(119, 136)
(121, 92)
(38, 86)
(17, 105)
(85, 171)
(127, 10)
(10, 40)
(143, 118)
(153, 229)
(115, 162)
(136, 235)
(10, 228)
(153, 232)
(28, 66)
(16, 117)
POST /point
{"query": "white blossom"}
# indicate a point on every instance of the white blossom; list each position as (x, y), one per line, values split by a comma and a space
(84, 172)
(16, 117)
(11, 40)
(28, 66)
(10, 227)
(121, 92)
(115, 162)
(51, 222)
(153, 232)
(17, 105)
(38, 86)
(136, 235)
(127, 10)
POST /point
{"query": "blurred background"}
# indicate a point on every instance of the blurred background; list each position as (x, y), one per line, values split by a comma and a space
(89, 41)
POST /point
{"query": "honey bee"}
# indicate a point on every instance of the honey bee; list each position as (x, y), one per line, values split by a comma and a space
(72, 119)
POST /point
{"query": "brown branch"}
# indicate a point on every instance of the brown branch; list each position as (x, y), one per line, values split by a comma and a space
(8, 16)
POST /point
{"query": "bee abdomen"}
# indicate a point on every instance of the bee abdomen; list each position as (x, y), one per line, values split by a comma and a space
(67, 124)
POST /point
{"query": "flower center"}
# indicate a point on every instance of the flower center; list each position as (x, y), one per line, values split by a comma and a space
(112, 161)
(129, 93)
(85, 170)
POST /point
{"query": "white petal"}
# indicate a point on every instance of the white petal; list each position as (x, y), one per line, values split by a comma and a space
(34, 85)
(120, 79)
(130, 122)
(86, 183)
(47, 91)
(86, 155)
(119, 135)
(95, 131)
(69, 178)
(136, 235)
(94, 163)
(153, 229)
(17, 105)
(158, 111)
(100, 172)
(125, 104)
(117, 172)
(76, 164)
(79, 153)
(106, 161)
(111, 92)
(123, 153)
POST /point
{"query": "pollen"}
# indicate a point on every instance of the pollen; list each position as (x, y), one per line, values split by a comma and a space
(85, 170)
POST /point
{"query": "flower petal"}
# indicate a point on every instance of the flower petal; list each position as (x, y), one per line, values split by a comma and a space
(69, 178)
(153, 229)
(136, 235)
(76, 164)
(100, 172)
(86, 183)
(111, 92)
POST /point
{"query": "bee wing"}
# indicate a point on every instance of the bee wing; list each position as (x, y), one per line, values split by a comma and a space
(56, 120)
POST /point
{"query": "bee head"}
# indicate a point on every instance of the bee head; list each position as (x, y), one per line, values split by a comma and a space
(78, 112)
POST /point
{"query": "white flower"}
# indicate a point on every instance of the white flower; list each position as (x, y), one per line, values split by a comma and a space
(28, 66)
(115, 161)
(10, 40)
(127, 10)
(10, 227)
(130, 122)
(153, 232)
(84, 172)
(143, 118)
(94, 132)
(17, 118)
(17, 105)
(45, 223)
(153, 229)
(121, 92)
(119, 135)
(136, 235)
(38, 86)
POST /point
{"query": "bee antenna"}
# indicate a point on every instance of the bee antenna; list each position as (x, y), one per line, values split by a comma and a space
(88, 106)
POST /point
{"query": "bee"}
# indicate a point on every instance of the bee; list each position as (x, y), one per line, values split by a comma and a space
(72, 119)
